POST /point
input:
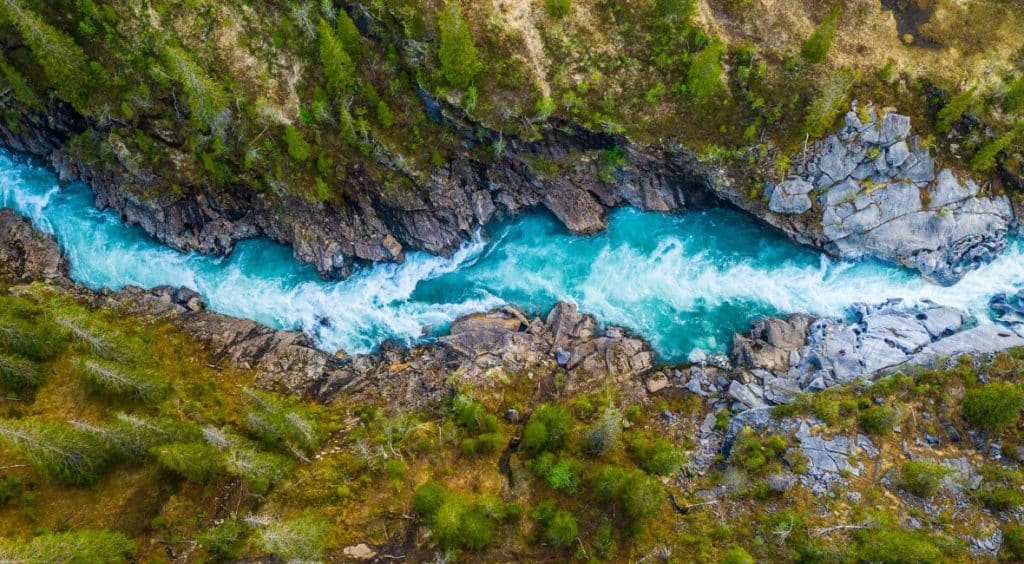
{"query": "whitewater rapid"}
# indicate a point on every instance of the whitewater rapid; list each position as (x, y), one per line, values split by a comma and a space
(683, 281)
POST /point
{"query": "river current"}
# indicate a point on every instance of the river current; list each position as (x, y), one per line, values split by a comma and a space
(682, 281)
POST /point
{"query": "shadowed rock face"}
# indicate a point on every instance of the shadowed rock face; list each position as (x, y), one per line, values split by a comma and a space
(27, 254)
(877, 194)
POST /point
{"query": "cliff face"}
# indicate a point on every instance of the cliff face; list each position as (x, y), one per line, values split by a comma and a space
(443, 209)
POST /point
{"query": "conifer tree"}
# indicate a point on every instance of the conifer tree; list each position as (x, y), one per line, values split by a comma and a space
(954, 110)
(1013, 100)
(196, 462)
(64, 62)
(73, 546)
(107, 378)
(18, 374)
(68, 454)
(39, 340)
(338, 66)
(817, 46)
(207, 101)
(349, 34)
(274, 422)
(18, 85)
(985, 158)
(460, 62)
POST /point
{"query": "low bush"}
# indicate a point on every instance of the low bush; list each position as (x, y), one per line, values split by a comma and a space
(301, 538)
(993, 407)
(878, 420)
(77, 546)
(659, 456)
(1013, 544)
(549, 429)
(557, 527)
(922, 478)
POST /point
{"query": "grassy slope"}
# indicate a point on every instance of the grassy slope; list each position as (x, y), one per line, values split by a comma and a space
(611, 66)
(363, 476)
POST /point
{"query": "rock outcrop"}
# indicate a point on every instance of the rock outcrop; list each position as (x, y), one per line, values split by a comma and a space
(871, 190)
(27, 254)
(782, 357)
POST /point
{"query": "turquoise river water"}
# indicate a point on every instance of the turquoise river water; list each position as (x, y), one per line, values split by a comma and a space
(682, 281)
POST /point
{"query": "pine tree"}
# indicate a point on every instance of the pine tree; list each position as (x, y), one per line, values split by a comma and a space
(460, 62)
(69, 547)
(68, 454)
(349, 34)
(196, 462)
(107, 378)
(18, 85)
(259, 469)
(954, 110)
(63, 61)
(274, 422)
(829, 103)
(985, 158)
(207, 101)
(301, 538)
(1013, 100)
(338, 66)
(18, 374)
(38, 340)
(817, 46)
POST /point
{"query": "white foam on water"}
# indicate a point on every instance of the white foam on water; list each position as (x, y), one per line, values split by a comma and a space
(656, 277)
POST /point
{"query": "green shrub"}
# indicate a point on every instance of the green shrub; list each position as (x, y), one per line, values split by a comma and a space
(897, 547)
(922, 478)
(18, 374)
(465, 523)
(603, 436)
(428, 498)
(77, 546)
(638, 495)
(10, 488)
(298, 148)
(817, 46)
(558, 527)
(558, 8)
(604, 541)
(301, 538)
(196, 462)
(993, 407)
(954, 110)
(878, 420)
(1013, 544)
(704, 77)
(460, 62)
(1001, 488)
(225, 541)
(753, 454)
(548, 429)
(657, 457)
(737, 555)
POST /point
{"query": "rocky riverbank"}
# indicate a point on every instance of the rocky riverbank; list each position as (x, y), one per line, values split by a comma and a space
(874, 188)
(776, 360)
